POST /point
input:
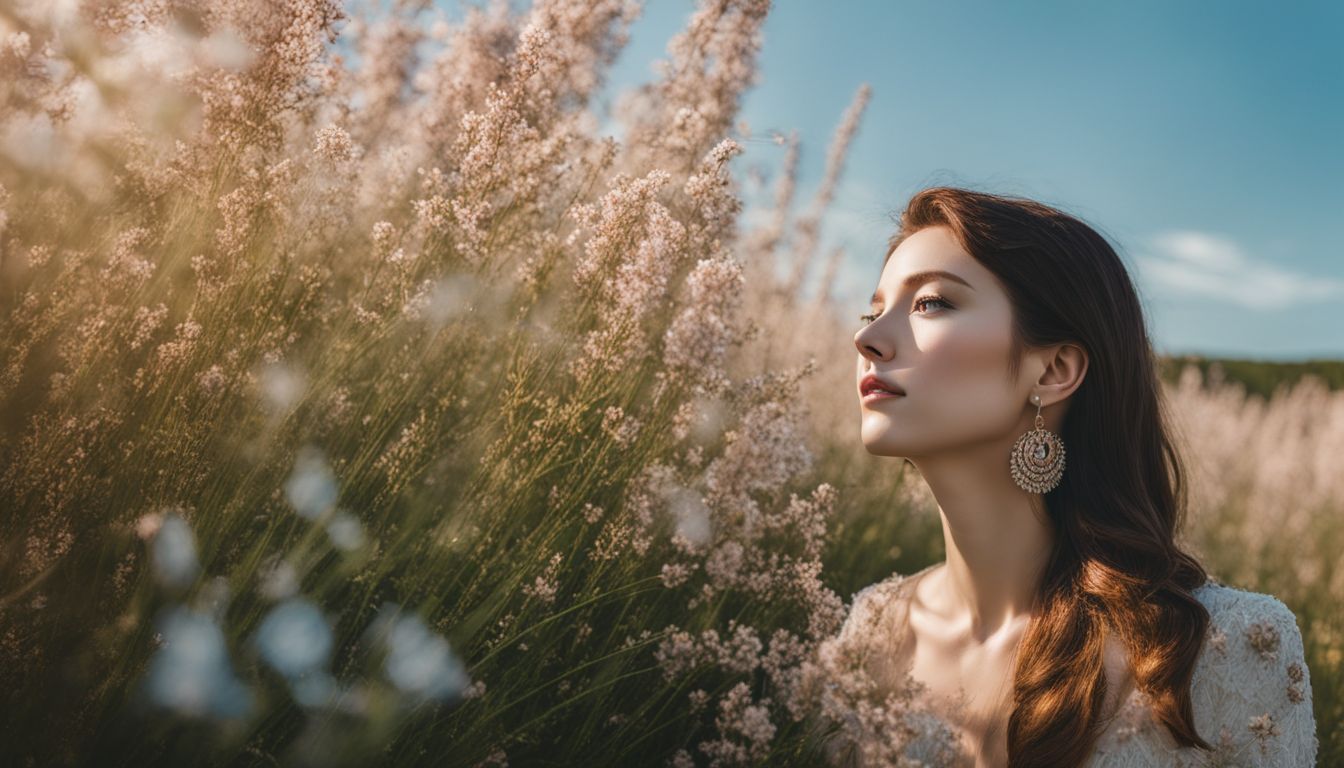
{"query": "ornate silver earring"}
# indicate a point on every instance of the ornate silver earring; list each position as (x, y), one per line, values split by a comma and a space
(1037, 460)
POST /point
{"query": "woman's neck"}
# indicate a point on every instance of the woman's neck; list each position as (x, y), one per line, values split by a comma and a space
(997, 541)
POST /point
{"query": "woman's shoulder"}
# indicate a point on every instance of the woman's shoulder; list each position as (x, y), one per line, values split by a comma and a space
(1253, 652)
(859, 679)
(1250, 689)
(873, 608)
(1229, 604)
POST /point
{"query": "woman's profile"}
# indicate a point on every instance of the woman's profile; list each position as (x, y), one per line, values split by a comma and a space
(1006, 357)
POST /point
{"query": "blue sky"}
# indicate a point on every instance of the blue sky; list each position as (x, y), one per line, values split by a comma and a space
(1205, 140)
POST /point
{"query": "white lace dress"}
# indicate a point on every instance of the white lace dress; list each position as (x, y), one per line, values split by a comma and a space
(1251, 692)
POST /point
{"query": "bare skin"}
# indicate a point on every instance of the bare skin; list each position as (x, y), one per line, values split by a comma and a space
(957, 423)
(969, 684)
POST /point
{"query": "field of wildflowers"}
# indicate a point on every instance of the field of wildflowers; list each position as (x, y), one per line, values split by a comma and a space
(361, 403)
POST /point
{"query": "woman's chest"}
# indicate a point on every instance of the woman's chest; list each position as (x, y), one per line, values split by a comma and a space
(969, 685)
(969, 690)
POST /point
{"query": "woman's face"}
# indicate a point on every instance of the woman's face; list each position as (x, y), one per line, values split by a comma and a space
(946, 345)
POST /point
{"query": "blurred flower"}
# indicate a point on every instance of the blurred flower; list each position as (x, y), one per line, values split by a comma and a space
(702, 418)
(224, 49)
(148, 525)
(311, 487)
(174, 552)
(419, 662)
(295, 638)
(213, 597)
(345, 531)
(281, 385)
(190, 673)
(279, 580)
(440, 301)
(691, 515)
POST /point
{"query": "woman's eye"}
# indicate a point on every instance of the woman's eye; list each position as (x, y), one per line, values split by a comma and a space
(924, 301)
(921, 302)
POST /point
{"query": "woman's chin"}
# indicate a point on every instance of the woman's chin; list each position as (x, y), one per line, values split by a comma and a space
(878, 447)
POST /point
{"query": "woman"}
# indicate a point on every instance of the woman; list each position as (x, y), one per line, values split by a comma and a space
(1066, 626)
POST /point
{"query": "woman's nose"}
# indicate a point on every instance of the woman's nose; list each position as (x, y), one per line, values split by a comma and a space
(867, 346)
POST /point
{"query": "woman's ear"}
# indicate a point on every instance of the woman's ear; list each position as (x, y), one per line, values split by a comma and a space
(1065, 367)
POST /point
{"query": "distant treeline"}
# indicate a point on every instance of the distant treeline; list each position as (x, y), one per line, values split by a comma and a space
(1259, 377)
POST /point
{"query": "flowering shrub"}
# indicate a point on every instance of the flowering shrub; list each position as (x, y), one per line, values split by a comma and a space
(362, 400)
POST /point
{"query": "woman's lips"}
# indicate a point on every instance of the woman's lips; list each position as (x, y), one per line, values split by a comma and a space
(878, 394)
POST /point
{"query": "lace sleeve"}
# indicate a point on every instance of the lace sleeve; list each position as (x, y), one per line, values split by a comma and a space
(1258, 689)
(1251, 695)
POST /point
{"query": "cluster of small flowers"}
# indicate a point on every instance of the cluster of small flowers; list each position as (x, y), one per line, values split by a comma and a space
(713, 62)
(262, 191)
(545, 586)
(384, 237)
(387, 53)
(675, 574)
(877, 724)
(591, 512)
(175, 351)
(503, 130)
(213, 380)
(680, 651)
(398, 459)
(633, 248)
(586, 37)
(1269, 454)
(745, 727)
(621, 428)
(613, 224)
(711, 190)
(633, 528)
(333, 144)
(497, 758)
(125, 269)
(458, 74)
(697, 342)
(46, 547)
(285, 69)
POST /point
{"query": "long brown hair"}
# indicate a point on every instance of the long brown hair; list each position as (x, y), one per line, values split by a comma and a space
(1115, 565)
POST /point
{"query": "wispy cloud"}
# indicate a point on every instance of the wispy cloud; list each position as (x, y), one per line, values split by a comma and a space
(1217, 267)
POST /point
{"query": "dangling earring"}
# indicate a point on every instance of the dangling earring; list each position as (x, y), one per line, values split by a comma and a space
(1037, 460)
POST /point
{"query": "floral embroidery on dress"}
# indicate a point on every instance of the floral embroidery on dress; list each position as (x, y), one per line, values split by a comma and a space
(1295, 676)
(1218, 640)
(1264, 728)
(1264, 638)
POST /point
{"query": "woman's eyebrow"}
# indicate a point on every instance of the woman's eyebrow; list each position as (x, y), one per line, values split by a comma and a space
(919, 278)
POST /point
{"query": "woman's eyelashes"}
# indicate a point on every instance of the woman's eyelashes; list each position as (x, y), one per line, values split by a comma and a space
(922, 301)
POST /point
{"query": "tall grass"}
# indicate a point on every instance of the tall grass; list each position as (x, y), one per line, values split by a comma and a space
(361, 403)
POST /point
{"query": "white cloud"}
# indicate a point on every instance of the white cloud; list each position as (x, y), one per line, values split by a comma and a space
(1217, 267)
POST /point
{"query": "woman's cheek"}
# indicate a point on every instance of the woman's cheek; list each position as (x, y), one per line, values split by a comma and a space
(967, 357)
